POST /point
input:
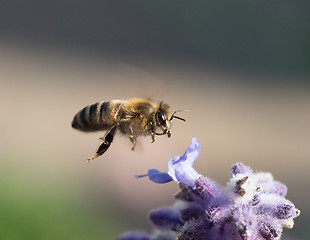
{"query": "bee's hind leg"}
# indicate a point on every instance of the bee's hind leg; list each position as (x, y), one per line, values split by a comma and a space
(100, 150)
(103, 147)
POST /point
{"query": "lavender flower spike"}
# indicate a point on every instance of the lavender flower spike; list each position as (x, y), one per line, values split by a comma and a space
(180, 168)
(251, 207)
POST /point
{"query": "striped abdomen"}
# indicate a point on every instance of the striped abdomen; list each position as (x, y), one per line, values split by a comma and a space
(96, 117)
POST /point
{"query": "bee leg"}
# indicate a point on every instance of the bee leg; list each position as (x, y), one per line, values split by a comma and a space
(103, 147)
(169, 134)
(132, 138)
(152, 131)
(100, 150)
(152, 135)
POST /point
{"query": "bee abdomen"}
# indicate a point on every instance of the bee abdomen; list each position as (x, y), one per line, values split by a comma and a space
(94, 117)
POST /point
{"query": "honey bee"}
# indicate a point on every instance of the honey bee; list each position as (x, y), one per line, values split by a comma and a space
(134, 117)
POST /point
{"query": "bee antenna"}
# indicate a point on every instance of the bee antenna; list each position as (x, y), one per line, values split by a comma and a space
(174, 116)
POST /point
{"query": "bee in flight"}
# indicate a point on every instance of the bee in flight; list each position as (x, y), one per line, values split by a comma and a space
(133, 117)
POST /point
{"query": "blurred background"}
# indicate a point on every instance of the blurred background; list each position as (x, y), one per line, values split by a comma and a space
(243, 67)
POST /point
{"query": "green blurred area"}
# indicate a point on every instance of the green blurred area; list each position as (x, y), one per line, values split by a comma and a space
(38, 209)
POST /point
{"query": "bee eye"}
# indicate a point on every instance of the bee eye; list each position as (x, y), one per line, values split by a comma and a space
(160, 117)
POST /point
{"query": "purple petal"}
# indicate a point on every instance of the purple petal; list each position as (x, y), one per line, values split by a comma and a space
(156, 176)
(239, 168)
(181, 168)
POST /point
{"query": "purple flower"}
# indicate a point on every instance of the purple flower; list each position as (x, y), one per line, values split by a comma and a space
(134, 235)
(165, 218)
(251, 207)
(180, 168)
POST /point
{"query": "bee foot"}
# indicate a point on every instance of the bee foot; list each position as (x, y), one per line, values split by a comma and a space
(92, 158)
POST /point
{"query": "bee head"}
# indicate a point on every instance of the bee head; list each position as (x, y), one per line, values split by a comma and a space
(162, 120)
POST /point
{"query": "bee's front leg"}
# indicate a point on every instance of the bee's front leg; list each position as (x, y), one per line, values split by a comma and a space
(152, 136)
(103, 147)
(133, 139)
(169, 134)
(152, 131)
